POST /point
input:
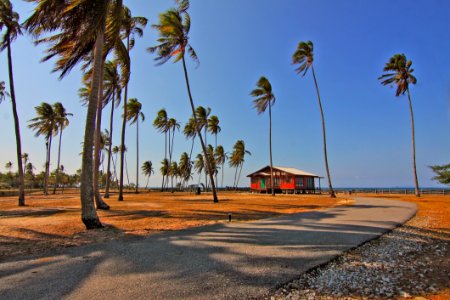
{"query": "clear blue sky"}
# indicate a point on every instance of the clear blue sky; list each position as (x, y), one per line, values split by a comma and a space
(369, 134)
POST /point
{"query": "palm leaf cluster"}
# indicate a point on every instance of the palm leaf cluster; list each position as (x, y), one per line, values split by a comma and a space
(399, 73)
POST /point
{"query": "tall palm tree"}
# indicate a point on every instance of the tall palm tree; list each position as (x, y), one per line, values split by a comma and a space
(79, 29)
(304, 57)
(173, 171)
(264, 98)
(202, 115)
(131, 27)
(220, 156)
(147, 170)
(398, 71)
(199, 165)
(115, 151)
(9, 20)
(173, 29)
(161, 124)
(237, 159)
(112, 93)
(165, 167)
(214, 129)
(62, 121)
(45, 123)
(189, 131)
(25, 159)
(172, 125)
(133, 114)
(9, 166)
(3, 92)
(184, 167)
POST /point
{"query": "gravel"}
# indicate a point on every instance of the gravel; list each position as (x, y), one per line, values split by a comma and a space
(409, 262)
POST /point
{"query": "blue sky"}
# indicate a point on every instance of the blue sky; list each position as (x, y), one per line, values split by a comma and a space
(368, 128)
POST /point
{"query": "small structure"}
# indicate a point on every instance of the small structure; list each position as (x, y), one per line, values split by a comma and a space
(286, 180)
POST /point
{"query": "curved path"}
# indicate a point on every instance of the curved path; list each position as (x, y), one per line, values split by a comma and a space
(224, 261)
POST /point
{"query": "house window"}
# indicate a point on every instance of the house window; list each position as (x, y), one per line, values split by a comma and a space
(254, 180)
(299, 182)
(287, 179)
(276, 181)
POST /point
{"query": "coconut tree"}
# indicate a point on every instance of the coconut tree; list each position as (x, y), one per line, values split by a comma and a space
(147, 170)
(115, 152)
(202, 115)
(173, 171)
(134, 113)
(9, 20)
(173, 29)
(398, 71)
(3, 92)
(165, 167)
(264, 98)
(172, 125)
(304, 57)
(25, 159)
(237, 159)
(130, 28)
(214, 129)
(184, 167)
(8, 166)
(220, 156)
(199, 165)
(46, 124)
(161, 124)
(62, 121)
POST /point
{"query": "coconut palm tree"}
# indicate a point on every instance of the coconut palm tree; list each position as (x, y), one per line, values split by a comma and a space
(131, 27)
(3, 92)
(8, 166)
(189, 131)
(115, 151)
(112, 93)
(264, 98)
(62, 121)
(304, 57)
(199, 165)
(9, 20)
(220, 156)
(147, 170)
(161, 124)
(173, 29)
(80, 30)
(398, 71)
(202, 115)
(184, 167)
(165, 167)
(172, 125)
(133, 114)
(173, 171)
(237, 159)
(25, 159)
(45, 123)
(214, 129)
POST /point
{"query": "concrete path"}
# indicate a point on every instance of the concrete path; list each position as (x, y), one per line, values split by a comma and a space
(224, 261)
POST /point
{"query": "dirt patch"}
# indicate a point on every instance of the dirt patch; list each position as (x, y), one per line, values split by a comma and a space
(54, 222)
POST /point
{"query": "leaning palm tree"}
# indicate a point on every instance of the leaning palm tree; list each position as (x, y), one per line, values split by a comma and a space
(399, 72)
(80, 29)
(45, 123)
(173, 29)
(133, 114)
(202, 115)
(165, 167)
(264, 98)
(9, 20)
(220, 156)
(161, 124)
(172, 125)
(3, 92)
(62, 121)
(147, 170)
(237, 160)
(199, 165)
(304, 57)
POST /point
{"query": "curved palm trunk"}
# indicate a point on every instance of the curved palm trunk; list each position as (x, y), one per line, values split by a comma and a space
(59, 161)
(270, 149)
(165, 157)
(223, 167)
(108, 167)
(97, 150)
(16, 127)
(416, 181)
(88, 213)
(215, 199)
(332, 194)
(137, 156)
(47, 164)
(235, 177)
(206, 168)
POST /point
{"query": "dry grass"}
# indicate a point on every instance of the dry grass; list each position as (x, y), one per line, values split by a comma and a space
(51, 222)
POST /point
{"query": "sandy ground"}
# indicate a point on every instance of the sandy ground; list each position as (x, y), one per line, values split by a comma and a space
(54, 222)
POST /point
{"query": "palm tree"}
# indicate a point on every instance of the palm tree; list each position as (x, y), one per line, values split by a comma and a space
(81, 28)
(173, 28)
(202, 115)
(189, 131)
(9, 166)
(160, 123)
(173, 171)
(398, 71)
(147, 170)
(25, 159)
(237, 159)
(9, 19)
(172, 125)
(165, 167)
(112, 93)
(45, 123)
(62, 121)
(184, 167)
(131, 27)
(133, 114)
(199, 164)
(214, 128)
(220, 156)
(304, 57)
(264, 98)
(3, 92)
(115, 151)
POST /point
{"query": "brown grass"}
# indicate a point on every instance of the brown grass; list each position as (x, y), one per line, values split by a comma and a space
(50, 222)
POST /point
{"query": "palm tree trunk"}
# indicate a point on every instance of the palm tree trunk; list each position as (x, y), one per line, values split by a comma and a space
(126, 171)
(16, 126)
(165, 157)
(148, 179)
(88, 213)
(215, 145)
(97, 150)
(215, 199)
(206, 158)
(223, 167)
(47, 173)
(59, 161)
(332, 194)
(46, 164)
(270, 148)
(108, 167)
(239, 175)
(137, 155)
(416, 181)
(235, 177)
(124, 124)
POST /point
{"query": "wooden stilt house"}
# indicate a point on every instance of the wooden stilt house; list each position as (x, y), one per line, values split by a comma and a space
(286, 180)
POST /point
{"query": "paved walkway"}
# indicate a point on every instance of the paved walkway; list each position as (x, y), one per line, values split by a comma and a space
(224, 261)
